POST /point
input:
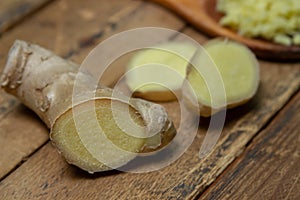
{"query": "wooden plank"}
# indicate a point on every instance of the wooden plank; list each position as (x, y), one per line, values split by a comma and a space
(65, 37)
(19, 138)
(63, 25)
(270, 167)
(12, 11)
(45, 172)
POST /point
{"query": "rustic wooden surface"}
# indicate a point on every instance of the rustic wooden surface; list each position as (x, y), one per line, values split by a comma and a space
(269, 168)
(31, 168)
(14, 10)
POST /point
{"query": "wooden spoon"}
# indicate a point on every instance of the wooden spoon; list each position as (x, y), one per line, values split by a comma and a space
(203, 15)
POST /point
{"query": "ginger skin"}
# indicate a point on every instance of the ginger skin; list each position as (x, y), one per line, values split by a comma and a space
(44, 82)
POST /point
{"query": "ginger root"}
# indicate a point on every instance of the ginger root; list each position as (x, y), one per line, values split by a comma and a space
(95, 134)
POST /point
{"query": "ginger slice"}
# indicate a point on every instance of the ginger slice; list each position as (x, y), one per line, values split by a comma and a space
(232, 63)
(157, 73)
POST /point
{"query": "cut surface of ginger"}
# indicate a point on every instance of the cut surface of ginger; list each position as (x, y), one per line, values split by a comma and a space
(97, 139)
(237, 69)
(157, 73)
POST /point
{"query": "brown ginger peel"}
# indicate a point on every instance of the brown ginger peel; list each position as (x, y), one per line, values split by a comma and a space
(44, 82)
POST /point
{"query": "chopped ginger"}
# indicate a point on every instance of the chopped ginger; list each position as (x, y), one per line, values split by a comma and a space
(275, 20)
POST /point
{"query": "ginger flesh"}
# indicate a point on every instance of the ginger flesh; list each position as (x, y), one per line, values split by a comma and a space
(65, 134)
(274, 20)
(239, 72)
(44, 82)
(157, 73)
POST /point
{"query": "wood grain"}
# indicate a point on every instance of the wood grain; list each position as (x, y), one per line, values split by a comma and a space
(19, 138)
(269, 168)
(45, 175)
(64, 26)
(45, 172)
(12, 11)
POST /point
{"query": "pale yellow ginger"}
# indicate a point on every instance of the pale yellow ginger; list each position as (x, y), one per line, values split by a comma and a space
(275, 20)
(157, 73)
(225, 75)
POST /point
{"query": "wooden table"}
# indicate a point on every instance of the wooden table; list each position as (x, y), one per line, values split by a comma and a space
(257, 156)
